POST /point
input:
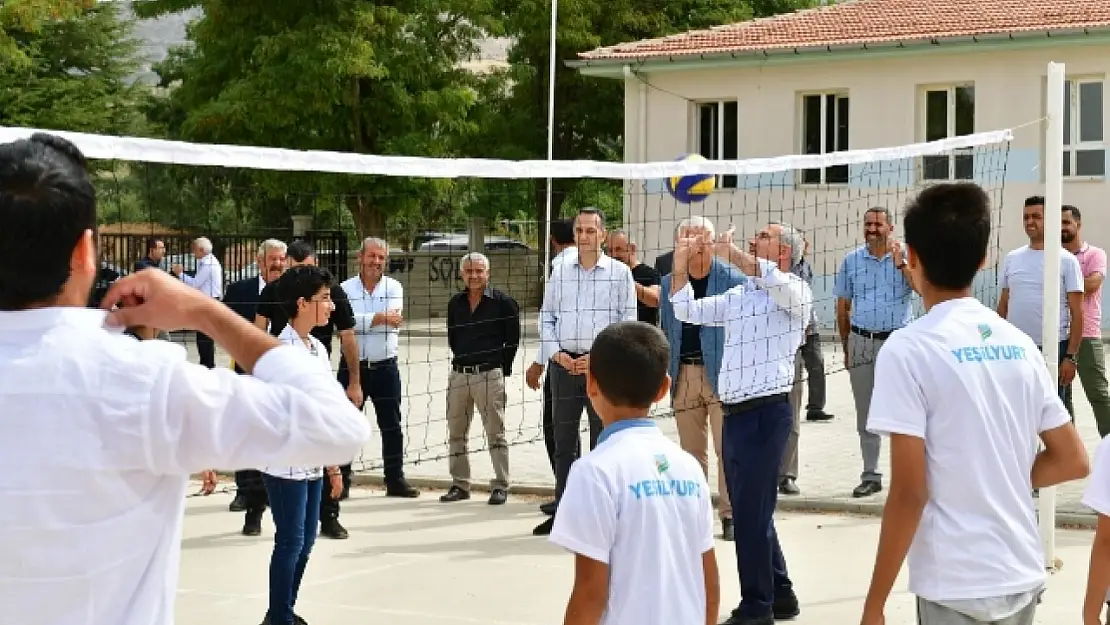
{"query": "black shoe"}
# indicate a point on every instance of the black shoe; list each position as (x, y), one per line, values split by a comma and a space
(297, 620)
(738, 619)
(498, 496)
(787, 486)
(331, 528)
(818, 416)
(401, 488)
(786, 605)
(544, 529)
(866, 489)
(727, 532)
(548, 507)
(252, 524)
(238, 504)
(454, 494)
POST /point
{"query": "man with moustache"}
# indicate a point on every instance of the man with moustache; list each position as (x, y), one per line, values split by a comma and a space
(1091, 368)
(243, 297)
(619, 245)
(272, 316)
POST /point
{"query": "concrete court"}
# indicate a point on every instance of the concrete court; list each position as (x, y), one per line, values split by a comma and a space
(419, 562)
(829, 464)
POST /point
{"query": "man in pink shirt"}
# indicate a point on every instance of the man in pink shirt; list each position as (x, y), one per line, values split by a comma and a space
(1091, 365)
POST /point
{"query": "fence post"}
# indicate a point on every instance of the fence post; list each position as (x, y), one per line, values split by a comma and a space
(477, 231)
(301, 225)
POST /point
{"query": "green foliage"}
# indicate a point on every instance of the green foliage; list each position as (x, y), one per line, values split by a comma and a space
(23, 19)
(343, 75)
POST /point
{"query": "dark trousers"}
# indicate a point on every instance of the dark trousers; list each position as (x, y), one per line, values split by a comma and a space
(295, 505)
(381, 384)
(549, 426)
(206, 349)
(814, 361)
(568, 395)
(1063, 391)
(250, 486)
(329, 506)
(754, 442)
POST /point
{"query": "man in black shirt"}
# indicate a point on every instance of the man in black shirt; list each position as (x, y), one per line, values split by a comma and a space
(271, 315)
(483, 331)
(619, 245)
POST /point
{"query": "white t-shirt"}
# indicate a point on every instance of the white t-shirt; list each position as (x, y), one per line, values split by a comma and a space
(1023, 275)
(641, 504)
(320, 356)
(1097, 495)
(976, 389)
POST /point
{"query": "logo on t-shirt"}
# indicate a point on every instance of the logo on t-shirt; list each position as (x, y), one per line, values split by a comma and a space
(984, 331)
(988, 353)
(661, 463)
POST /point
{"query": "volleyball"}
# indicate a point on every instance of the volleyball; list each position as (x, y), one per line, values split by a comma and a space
(692, 188)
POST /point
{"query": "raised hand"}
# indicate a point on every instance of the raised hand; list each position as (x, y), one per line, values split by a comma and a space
(154, 299)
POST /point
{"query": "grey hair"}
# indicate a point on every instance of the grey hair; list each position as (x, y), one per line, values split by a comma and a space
(272, 244)
(794, 238)
(623, 233)
(376, 242)
(880, 209)
(474, 257)
(695, 221)
(204, 243)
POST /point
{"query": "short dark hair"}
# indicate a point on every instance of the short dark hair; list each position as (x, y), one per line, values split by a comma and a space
(629, 360)
(1034, 200)
(47, 203)
(1075, 214)
(592, 210)
(562, 230)
(300, 250)
(300, 281)
(153, 242)
(949, 227)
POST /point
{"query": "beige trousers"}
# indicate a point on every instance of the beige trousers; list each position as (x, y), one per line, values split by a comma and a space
(696, 409)
(486, 390)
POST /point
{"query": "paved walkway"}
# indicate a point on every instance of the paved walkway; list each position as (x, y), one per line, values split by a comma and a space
(419, 562)
(829, 465)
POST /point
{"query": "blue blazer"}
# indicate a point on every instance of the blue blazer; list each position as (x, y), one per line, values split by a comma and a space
(722, 277)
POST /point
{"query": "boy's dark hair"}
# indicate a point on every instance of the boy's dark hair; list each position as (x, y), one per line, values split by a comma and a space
(300, 250)
(949, 227)
(562, 231)
(629, 360)
(1034, 200)
(46, 203)
(297, 282)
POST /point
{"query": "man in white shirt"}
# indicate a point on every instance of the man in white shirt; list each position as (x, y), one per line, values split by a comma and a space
(118, 424)
(1022, 299)
(582, 298)
(209, 279)
(764, 319)
(965, 398)
(377, 301)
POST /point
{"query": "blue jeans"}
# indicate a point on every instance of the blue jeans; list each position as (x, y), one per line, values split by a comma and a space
(295, 505)
(753, 446)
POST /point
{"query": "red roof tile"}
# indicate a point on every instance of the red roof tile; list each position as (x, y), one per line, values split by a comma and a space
(856, 22)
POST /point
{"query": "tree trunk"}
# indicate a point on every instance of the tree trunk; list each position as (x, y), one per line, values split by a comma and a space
(369, 219)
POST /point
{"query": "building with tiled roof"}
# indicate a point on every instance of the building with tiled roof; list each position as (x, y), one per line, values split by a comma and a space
(866, 74)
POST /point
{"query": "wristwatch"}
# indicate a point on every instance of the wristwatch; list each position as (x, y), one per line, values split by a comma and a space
(1072, 358)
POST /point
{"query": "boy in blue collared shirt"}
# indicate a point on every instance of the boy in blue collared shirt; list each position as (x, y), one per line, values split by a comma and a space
(636, 511)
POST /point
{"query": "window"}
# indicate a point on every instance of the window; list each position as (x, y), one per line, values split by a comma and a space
(825, 130)
(718, 135)
(949, 112)
(1084, 150)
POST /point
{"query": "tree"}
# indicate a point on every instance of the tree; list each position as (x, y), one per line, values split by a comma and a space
(343, 75)
(589, 112)
(22, 18)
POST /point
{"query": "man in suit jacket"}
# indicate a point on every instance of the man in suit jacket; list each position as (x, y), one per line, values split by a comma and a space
(243, 298)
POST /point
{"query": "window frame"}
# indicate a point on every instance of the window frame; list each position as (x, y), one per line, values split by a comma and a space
(800, 106)
(1072, 133)
(950, 128)
(721, 148)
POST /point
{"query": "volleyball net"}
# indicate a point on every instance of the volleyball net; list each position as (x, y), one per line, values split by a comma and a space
(431, 212)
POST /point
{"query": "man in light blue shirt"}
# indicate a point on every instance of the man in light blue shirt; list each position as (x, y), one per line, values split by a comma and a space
(873, 292)
(377, 301)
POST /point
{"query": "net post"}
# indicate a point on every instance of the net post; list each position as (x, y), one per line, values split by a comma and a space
(550, 137)
(1050, 339)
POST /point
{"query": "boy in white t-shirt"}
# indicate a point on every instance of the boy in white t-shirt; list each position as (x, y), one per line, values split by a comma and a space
(304, 292)
(1097, 498)
(636, 511)
(965, 398)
